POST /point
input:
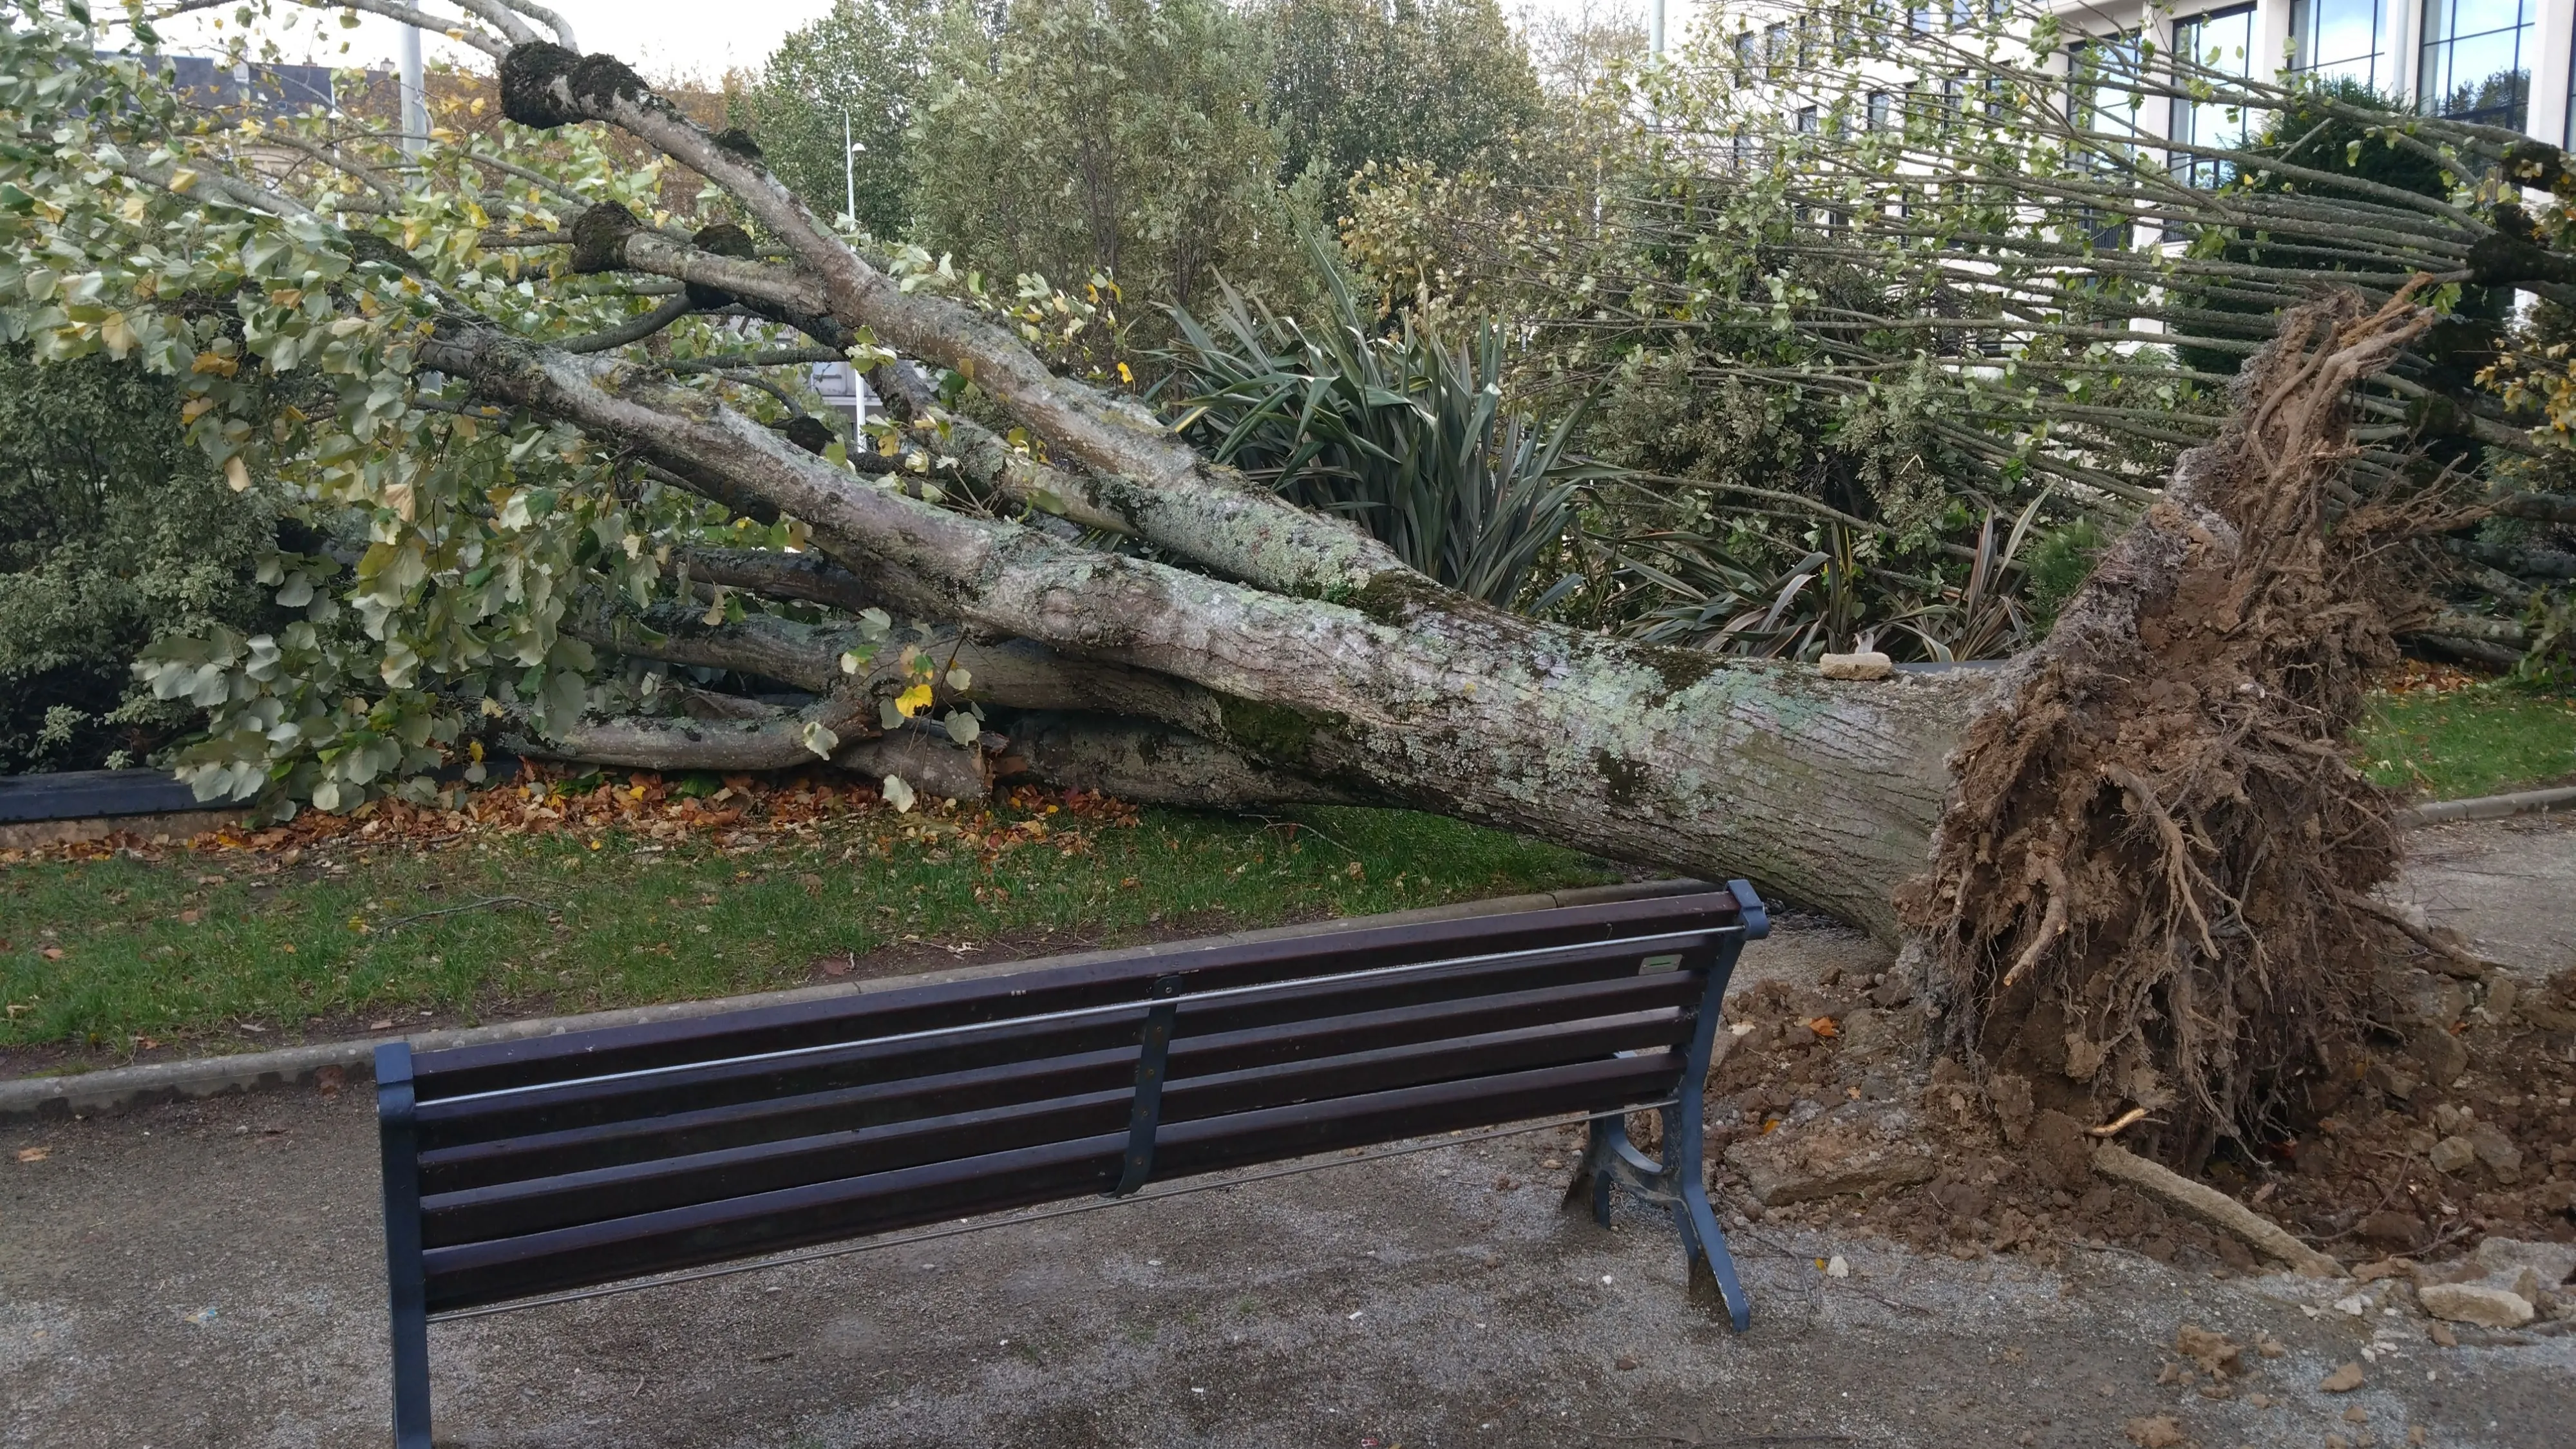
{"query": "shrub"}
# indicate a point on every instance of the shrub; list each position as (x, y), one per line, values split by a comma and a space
(112, 531)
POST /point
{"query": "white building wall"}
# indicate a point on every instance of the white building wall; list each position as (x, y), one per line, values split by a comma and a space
(2546, 57)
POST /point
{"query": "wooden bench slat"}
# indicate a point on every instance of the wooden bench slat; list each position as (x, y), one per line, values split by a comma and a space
(639, 1138)
(535, 1110)
(601, 1252)
(569, 1196)
(497, 1066)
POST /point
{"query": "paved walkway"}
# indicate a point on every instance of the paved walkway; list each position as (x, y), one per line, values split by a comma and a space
(2508, 885)
(208, 1276)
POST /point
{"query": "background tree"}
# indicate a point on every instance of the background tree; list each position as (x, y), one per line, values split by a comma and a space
(1581, 50)
(1356, 82)
(867, 62)
(1121, 139)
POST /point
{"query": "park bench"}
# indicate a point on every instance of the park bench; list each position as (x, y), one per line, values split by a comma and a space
(526, 1171)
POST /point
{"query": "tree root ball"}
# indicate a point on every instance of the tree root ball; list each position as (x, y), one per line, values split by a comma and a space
(2150, 885)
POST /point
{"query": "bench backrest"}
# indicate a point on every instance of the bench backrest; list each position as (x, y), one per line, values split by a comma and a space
(560, 1162)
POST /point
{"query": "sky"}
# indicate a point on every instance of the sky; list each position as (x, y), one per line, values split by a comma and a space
(658, 37)
(661, 38)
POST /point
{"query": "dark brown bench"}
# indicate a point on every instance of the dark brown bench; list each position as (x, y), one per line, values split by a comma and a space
(530, 1168)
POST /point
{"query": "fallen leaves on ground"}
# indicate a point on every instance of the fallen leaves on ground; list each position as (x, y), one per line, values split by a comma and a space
(2416, 676)
(737, 813)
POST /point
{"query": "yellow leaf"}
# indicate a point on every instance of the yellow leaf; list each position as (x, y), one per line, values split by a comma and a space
(913, 701)
(182, 179)
(214, 364)
(236, 474)
(195, 408)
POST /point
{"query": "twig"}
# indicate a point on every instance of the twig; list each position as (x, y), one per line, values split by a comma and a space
(1273, 822)
(476, 906)
(2426, 936)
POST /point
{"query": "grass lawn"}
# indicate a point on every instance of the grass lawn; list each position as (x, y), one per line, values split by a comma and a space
(230, 949)
(2473, 739)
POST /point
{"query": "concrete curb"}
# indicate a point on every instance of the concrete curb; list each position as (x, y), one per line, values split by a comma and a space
(2489, 807)
(121, 1088)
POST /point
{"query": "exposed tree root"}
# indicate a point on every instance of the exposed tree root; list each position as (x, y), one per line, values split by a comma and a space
(2215, 1208)
(2149, 886)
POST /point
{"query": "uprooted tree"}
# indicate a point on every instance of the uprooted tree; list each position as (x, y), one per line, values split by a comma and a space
(543, 411)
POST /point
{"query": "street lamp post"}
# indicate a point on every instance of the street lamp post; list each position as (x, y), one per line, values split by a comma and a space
(415, 97)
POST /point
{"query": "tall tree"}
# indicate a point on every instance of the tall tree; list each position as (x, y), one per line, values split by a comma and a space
(1117, 138)
(1355, 82)
(854, 77)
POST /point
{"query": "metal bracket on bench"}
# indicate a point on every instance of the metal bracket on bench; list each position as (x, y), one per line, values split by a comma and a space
(1146, 1115)
(1679, 1183)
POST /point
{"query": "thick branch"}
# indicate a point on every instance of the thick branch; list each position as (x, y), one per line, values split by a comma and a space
(1824, 792)
(1147, 477)
(633, 329)
(806, 576)
(774, 741)
(1153, 765)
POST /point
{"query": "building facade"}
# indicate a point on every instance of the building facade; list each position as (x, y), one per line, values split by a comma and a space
(2502, 62)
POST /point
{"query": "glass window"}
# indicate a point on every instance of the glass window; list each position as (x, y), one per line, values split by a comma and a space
(2218, 45)
(2102, 92)
(2477, 63)
(2342, 40)
(1880, 105)
(2103, 101)
(1746, 48)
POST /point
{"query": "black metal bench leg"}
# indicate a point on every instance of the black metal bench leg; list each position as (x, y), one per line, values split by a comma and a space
(1685, 1165)
(1590, 1190)
(1712, 1267)
(407, 1288)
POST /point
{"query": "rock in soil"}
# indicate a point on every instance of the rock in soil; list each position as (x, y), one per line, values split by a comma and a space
(2475, 1303)
(1859, 1147)
(2453, 1154)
